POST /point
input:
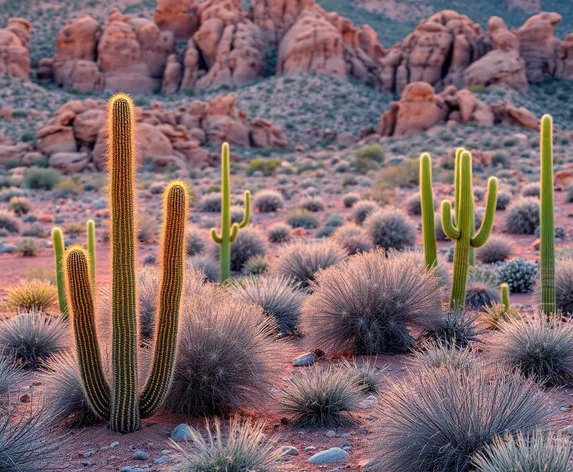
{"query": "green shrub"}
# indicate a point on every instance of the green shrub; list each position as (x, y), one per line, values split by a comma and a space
(41, 179)
(302, 219)
(266, 166)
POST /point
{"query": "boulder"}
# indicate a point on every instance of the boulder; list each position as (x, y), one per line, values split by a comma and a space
(12, 152)
(14, 49)
(87, 125)
(181, 17)
(69, 162)
(565, 59)
(171, 76)
(264, 134)
(52, 139)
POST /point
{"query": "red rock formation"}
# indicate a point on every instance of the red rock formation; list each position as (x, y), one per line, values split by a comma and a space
(181, 17)
(14, 49)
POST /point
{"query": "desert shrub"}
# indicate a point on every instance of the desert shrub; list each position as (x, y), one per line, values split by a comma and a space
(10, 376)
(522, 216)
(237, 213)
(405, 174)
(334, 221)
(353, 239)
(439, 354)
(569, 195)
(519, 274)
(8, 222)
(208, 265)
(313, 204)
(531, 190)
(31, 296)
(302, 219)
(321, 397)
(68, 187)
(496, 314)
(267, 201)
(41, 179)
(372, 152)
(541, 349)
(559, 232)
(350, 199)
(301, 260)
(256, 265)
(210, 203)
(362, 210)
(389, 228)
(534, 452)
(244, 449)
(438, 419)
(31, 338)
(75, 228)
(25, 445)
(370, 303)
(453, 329)
(249, 243)
(500, 158)
(227, 357)
(366, 375)
(266, 166)
(279, 233)
(503, 200)
(496, 249)
(279, 298)
(325, 232)
(65, 396)
(564, 285)
(480, 294)
(20, 205)
(7, 194)
(195, 243)
(34, 230)
(413, 205)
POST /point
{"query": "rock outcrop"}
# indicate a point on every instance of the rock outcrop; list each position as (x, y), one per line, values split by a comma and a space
(75, 138)
(420, 108)
(14, 49)
(181, 17)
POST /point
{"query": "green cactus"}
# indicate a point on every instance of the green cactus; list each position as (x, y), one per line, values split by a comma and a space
(462, 231)
(90, 228)
(228, 232)
(427, 205)
(547, 220)
(504, 292)
(58, 241)
(121, 402)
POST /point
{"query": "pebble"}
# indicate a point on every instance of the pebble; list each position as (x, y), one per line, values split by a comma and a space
(87, 463)
(305, 360)
(89, 453)
(161, 460)
(334, 454)
(181, 432)
(114, 444)
(140, 455)
(289, 451)
(309, 448)
(330, 433)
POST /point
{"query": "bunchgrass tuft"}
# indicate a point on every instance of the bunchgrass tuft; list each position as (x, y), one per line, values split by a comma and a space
(454, 329)
(32, 296)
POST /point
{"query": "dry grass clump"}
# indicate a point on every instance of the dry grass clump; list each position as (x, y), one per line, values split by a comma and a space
(32, 296)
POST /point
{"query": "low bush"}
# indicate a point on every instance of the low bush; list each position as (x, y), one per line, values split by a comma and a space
(389, 228)
(522, 216)
(267, 201)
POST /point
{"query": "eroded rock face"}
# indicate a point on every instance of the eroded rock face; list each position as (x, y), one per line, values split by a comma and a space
(14, 49)
(565, 59)
(181, 17)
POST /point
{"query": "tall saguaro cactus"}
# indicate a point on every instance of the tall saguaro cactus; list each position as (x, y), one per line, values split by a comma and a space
(462, 231)
(229, 232)
(427, 206)
(547, 220)
(121, 401)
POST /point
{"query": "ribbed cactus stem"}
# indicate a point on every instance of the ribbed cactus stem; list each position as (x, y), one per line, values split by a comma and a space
(94, 383)
(90, 227)
(462, 230)
(547, 220)
(58, 241)
(170, 293)
(124, 403)
(427, 206)
(504, 292)
(229, 231)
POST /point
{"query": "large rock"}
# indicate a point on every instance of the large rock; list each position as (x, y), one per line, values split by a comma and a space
(87, 125)
(52, 139)
(181, 17)
(14, 49)
(69, 162)
(265, 134)
(565, 59)
(171, 76)
(12, 152)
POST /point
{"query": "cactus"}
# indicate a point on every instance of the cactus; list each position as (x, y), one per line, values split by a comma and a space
(90, 229)
(427, 205)
(462, 231)
(504, 292)
(228, 232)
(58, 241)
(121, 402)
(547, 220)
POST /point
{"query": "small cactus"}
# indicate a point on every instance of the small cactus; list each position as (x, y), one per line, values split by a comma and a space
(427, 206)
(504, 292)
(462, 231)
(229, 231)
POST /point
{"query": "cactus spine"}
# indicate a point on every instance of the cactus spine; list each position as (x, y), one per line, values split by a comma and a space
(228, 232)
(121, 402)
(58, 241)
(427, 206)
(90, 229)
(462, 231)
(547, 218)
(504, 291)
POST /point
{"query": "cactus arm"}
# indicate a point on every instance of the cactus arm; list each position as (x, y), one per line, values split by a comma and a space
(504, 291)
(92, 252)
(487, 225)
(547, 220)
(170, 294)
(58, 241)
(234, 232)
(94, 384)
(427, 206)
(218, 239)
(247, 214)
(447, 223)
(457, 191)
(124, 405)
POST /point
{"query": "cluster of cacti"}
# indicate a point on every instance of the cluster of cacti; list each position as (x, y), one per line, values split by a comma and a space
(462, 229)
(229, 231)
(58, 242)
(427, 207)
(547, 220)
(121, 401)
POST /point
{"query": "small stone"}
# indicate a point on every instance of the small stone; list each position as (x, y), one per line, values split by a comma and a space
(181, 432)
(334, 454)
(305, 360)
(129, 468)
(564, 408)
(89, 453)
(165, 451)
(140, 455)
(289, 451)
(87, 463)
(309, 448)
(330, 433)
(114, 444)
(161, 460)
